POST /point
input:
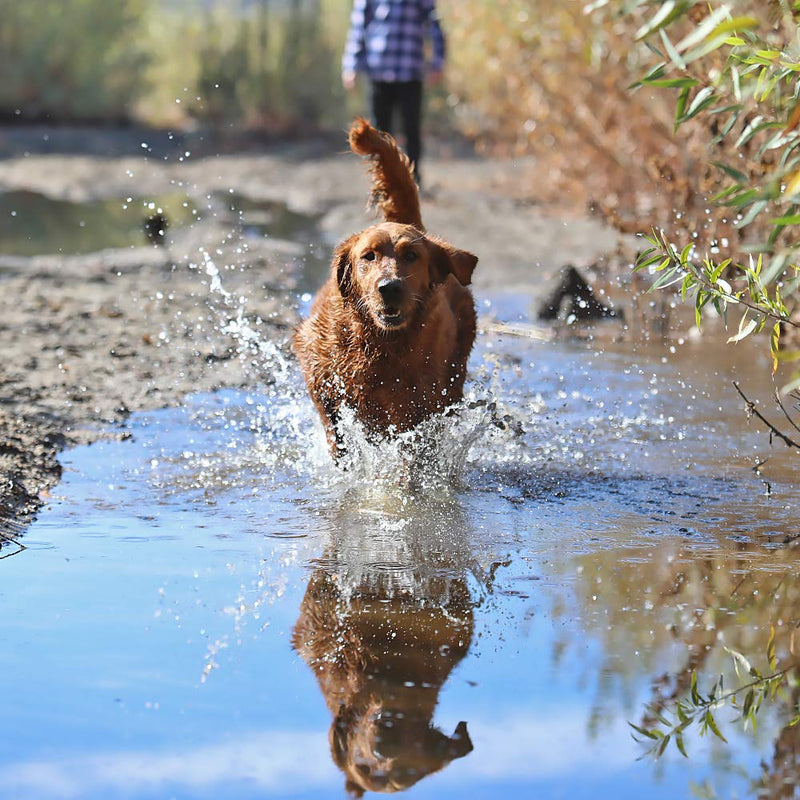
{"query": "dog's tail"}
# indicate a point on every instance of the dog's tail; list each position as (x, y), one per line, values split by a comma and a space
(394, 190)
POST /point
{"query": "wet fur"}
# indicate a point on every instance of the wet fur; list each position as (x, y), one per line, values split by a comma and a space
(381, 657)
(393, 370)
(394, 191)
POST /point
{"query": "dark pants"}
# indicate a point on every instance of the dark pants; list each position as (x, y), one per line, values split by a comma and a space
(407, 97)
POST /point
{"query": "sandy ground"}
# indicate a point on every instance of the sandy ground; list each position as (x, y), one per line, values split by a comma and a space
(90, 339)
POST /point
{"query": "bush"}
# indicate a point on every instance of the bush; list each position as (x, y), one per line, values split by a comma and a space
(254, 65)
(735, 80)
(70, 61)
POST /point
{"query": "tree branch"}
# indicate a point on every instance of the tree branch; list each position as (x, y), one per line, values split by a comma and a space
(751, 409)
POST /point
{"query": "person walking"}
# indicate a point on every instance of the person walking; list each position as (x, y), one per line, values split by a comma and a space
(386, 41)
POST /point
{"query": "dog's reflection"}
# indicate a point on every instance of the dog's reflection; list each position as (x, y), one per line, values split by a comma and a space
(383, 624)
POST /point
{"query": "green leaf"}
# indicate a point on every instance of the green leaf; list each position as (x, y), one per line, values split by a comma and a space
(698, 307)
(704, 98)
(788, 219)
(744, 330)
(726, 193)
(744, 198)
(704, 29)
(693, 689)
(756, 125)
(734, 173)
(669, 11)
(771, 648)
(688, 281)
(735, 82)
(755, 209)
(739, 661)
(667, 278)
(644, 732)
(671, 83)
(774, 344)
(727, 289)
(728, 126)
(674, 55)
(680, 107)
(715, 273)
(748, 703)
(712, 725)
(736, 25)
(773, 143)
(658, 72)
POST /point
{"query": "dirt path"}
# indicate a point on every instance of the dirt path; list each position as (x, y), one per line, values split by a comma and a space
(89, 339)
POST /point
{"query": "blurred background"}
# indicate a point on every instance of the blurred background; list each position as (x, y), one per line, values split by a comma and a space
(523, 77)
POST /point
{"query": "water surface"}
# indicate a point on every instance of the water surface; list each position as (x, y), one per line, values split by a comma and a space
(211, 609)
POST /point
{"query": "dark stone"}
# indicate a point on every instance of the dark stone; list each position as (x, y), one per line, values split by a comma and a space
(582, 303)
(155, 228)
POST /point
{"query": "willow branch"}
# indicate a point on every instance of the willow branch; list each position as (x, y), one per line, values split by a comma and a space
(751, 409)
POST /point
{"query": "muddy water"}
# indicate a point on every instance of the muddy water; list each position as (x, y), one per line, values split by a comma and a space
(211, 609)
(32, 224)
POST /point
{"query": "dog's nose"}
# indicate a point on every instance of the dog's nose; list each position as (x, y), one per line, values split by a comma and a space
(391, 291)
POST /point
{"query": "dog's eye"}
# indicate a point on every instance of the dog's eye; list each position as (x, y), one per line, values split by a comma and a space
(369, 255)
(410, 255)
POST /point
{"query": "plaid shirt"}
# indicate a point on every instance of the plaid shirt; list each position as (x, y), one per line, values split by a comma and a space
(386, 39)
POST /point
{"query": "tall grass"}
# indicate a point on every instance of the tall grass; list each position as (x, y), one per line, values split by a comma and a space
(544, 77)
(255, 65)
(224, 63)
(72, 60)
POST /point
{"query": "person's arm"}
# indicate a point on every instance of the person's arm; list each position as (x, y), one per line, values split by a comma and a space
(437, 38)
(355, 47)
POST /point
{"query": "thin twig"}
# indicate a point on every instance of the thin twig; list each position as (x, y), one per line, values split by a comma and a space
(785, 412)
(5, 538)
(751, 407)
(521, 329)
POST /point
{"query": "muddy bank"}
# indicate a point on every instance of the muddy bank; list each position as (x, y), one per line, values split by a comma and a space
(90, 338)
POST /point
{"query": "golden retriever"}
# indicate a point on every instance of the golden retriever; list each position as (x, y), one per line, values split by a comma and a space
(391, 330)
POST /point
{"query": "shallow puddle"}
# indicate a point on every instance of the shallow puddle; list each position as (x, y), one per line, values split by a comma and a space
(211, 609)
(32, 224)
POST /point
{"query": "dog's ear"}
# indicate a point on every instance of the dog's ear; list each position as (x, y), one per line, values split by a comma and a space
(447, 260)
(342, 266)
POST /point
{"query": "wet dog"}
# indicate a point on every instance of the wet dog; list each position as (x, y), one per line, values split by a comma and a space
(391, 330)
(381, 659)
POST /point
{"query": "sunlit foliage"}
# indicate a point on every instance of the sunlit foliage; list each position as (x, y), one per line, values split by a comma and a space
(732, 69)
(243, 63)
(70, 61)
(257, 65)
(700, 710)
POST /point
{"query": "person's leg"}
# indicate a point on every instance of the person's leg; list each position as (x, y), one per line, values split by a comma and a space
(410, 101)
(382, 105)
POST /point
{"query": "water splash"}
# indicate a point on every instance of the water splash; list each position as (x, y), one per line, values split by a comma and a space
(286, 436)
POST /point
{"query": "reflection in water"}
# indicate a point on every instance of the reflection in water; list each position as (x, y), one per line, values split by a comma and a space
(386, 617)
(706, 604)
(9, 546)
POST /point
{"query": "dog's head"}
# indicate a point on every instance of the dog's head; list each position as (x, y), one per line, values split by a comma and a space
(389, 749)
(390, 270)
